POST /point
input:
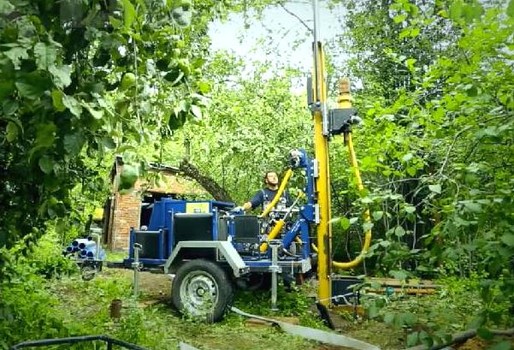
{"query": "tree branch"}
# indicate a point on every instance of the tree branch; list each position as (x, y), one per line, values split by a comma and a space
(462, 337)
(296, 16)
(210, 185)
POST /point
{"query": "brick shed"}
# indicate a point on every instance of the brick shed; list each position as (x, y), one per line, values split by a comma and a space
(123, 211)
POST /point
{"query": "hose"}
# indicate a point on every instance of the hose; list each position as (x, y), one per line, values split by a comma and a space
(367, 218)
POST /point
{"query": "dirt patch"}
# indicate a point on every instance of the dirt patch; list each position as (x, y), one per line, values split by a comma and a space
(152, 285)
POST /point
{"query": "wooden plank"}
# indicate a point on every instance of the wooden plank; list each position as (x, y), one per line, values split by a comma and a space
(399, 283)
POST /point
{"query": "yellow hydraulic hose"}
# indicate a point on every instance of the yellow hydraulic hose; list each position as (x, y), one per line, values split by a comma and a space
(360, 187)
(273, 233)
(281, 189)
(279, 225)
(344, 100)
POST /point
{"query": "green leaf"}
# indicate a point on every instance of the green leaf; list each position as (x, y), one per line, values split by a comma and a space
(6, 88)
(456, 10)
(11, 132)
(197, 111)
(407, 157)
(45, 55)
(373, 311)
(345, 223)
(399, 231)
(32, 85)
(204, 87)
(97, 114)
(399, 275)
(366, 200)
(45, 135)
(57, 100)
(411, 171)
(409, 209)
(508, 239)
(400, 18)
(6, 7)
(412, 338)
(472, 11)
(10, 107)
(473, 207)
(405, 33)
(46, 164)
(389, 317)
(410, 62)
(108, 142)
(484, 333)
(435, 188)
(73, 143)
(72, 104)
(61, 75)
(377, 215)
(367, 226)
(510, 9)
(129, 13)
(16, 54)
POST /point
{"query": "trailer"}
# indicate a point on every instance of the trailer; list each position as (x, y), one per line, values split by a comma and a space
(211, 247)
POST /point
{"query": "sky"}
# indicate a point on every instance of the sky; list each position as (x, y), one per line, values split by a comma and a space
(291, 43)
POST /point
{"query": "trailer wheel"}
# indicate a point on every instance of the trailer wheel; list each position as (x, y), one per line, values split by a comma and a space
(88, 272)
(201, 289)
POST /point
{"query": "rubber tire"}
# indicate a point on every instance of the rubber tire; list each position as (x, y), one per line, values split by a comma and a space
(205, 272)
(88, 272)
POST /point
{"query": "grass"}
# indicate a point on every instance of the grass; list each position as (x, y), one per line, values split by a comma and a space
(150, 322)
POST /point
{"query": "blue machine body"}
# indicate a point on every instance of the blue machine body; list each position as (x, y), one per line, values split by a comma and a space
(172, 221)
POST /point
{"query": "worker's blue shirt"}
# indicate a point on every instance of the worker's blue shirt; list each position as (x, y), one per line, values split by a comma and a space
(265, 196)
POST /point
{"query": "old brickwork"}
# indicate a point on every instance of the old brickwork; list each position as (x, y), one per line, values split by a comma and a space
(126, 215)
(124, 210)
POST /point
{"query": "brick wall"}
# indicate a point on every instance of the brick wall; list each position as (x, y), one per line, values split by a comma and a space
(127, 210)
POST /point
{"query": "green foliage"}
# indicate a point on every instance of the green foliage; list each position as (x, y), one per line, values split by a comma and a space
(430, 319)
(437, 151)
(48, 261)
(84, 80)
(26, 305)
(252, 124)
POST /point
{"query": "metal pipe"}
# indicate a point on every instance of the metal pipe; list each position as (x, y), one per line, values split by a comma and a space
(136, 266)
(275, 269)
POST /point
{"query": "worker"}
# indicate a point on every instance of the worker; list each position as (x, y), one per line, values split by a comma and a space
(264, 196)
(262, 199)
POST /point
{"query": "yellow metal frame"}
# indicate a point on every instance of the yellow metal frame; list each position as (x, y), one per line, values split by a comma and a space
(321, 151)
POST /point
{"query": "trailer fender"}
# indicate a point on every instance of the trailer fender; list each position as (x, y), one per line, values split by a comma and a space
(225, 252)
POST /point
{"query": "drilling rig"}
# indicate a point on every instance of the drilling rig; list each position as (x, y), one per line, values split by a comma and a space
(211, 247)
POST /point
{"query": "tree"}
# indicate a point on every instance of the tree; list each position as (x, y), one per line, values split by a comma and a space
(82, 79)
(448, 135)
(252, 124)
